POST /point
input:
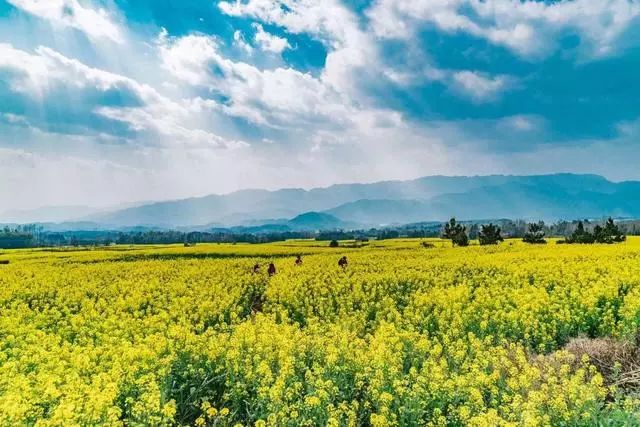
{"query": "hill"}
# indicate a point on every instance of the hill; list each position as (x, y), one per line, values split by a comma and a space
(547, 197)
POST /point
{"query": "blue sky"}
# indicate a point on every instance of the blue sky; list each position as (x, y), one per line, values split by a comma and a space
(106, 102)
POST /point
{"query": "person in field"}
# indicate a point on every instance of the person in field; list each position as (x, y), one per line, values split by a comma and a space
(299, 260)
(272, 269)
(256, 269)
(343, 262)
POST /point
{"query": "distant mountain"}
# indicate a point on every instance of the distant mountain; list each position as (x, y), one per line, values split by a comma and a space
(309, 221)
(316, 221)
(390, 202)
(384, 212)
(542, 200)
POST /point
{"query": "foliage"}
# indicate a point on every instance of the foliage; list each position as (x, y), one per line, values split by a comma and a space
(608, 234)
(169, 335)
(455, 232)
(490, 235)
(580, 235)
(535, 234)
(15, 238)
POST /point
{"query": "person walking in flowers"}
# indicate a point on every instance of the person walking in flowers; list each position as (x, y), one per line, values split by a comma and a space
(343, 262)
(299, 260)
(272, 270)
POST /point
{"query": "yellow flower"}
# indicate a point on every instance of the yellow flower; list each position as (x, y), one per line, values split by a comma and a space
(312, 400)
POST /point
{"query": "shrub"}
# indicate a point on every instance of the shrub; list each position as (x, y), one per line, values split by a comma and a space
(455, 232)
(535, 234)
(580, 235)
(609, 234)
(490, 235)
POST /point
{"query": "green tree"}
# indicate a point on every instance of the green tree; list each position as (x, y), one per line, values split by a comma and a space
(490, 235)
(580, 235)
(609, 234)
(535, 234)
(455, 232)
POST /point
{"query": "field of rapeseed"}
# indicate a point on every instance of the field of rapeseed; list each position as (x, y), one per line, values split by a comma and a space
(404, 335)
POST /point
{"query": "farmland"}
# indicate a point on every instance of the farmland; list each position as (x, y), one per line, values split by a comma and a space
(404, 335)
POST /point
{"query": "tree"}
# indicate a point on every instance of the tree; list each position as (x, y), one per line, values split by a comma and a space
(334, 244)
(580, 235)
(490, 235)
(535, 234)
(455, 232)
(609, 234)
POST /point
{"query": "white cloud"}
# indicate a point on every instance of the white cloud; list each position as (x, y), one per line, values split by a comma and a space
(239, 41)
(328, 19)
(523, 123)
(479, 87)
(280, 97)
(96, 23)
(351, 51)
(269, 42)
(529, 28)
(40, 74)
(187, 57)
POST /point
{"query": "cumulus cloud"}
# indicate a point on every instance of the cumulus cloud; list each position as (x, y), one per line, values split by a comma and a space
(269, 42)
(529, 28)
(41, 72)
(352, 51)
(43, 75)
(280, 97)
(95, 23)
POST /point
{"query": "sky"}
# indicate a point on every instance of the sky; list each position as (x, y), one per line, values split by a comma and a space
(116, 101)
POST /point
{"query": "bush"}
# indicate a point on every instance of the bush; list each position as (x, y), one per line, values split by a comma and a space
(535, 234)
(580, 235)
(608, 234)
(455, 232)
(334, 244)
(490, 235)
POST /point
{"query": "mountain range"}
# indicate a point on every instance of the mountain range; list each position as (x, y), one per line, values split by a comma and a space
(432, 198)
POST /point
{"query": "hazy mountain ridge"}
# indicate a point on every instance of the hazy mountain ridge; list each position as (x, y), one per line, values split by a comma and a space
(436, 198)
(518, 201)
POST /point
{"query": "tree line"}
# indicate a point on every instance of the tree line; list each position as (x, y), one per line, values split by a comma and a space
(460, 233)
(491, 234)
